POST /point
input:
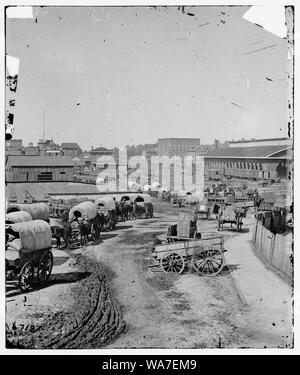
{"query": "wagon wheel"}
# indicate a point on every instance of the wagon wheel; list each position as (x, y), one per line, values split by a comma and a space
(209, 262)
(172, 263)
(26, 277)
(45, 267)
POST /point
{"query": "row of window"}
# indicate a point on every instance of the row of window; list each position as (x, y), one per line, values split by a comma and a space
(237, 165)
(175, 148)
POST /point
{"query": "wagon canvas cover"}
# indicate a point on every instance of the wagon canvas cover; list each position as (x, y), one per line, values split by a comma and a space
(38, 211)
(18, 217)
(35, 235)
(107, 202)
(85, 208)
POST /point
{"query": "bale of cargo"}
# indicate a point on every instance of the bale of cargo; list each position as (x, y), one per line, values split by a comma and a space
(34, 235)
(87, 209)
(17, 217)
(38, 211)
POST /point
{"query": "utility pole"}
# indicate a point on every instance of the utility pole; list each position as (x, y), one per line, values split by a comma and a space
(43, 125)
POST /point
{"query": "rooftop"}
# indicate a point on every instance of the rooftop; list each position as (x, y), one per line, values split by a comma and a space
(69, 145)
(40, 161)
(101, 149)
(247, 152)
(179, 139)
(40, 190)
(260, 140)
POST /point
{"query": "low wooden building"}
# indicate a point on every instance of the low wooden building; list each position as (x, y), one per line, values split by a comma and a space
(38, 168)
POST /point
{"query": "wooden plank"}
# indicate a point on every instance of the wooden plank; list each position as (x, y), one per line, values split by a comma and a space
(189, 244)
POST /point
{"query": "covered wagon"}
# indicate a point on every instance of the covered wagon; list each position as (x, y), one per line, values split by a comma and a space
(28, 255)
(84, 209)
(83, 224)
(143, 206)
(106, 207)
(17, 217)
(38, 211)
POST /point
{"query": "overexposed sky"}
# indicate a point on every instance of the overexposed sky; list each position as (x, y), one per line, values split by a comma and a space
(113, 76)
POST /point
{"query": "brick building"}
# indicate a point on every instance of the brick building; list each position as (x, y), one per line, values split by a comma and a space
(177, 146)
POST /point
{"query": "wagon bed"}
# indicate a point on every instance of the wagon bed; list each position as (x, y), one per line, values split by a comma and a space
(205, 255)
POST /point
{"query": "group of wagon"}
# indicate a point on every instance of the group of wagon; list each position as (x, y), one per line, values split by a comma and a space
(28, 243)
(134, 206)
(86, 220)
(225, 211)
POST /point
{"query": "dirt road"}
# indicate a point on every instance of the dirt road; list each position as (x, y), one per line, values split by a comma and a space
(110, 295)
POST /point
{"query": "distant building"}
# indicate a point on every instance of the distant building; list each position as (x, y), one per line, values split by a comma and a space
(70, 149)
(55, 152)
(262, 142)
(38, 168)
(177, 146)
(98, 152)
(15, 144)
(45, 145)
(267, 159)
(30, 150)
(13, 147)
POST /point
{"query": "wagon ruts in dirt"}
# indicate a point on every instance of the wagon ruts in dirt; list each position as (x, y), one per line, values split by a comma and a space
(185, 229)
(230, 215)
(28, 255)
(205, 255)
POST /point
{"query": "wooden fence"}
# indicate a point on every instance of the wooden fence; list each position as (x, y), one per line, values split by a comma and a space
(276, 249)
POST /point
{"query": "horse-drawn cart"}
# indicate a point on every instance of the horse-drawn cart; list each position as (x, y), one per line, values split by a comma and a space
(38, 211)
(142, 206)
(204, 255)
(28, 255)
(17, 217)
(82, 223)
(106, 208)
(230, 215)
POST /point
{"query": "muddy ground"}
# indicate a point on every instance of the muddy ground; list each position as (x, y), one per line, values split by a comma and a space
(112, 294)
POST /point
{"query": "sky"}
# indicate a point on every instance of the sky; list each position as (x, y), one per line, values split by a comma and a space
(112, 76)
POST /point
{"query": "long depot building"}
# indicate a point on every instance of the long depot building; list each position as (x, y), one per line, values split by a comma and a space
(267, 159)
